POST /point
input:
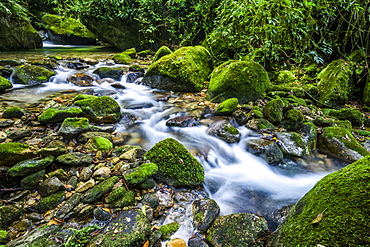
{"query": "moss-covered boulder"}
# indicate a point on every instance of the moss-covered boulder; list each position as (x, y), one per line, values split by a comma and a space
(58, 114)
(176, 166)
(285, 76)
(243, 80)
(9, 214)
(67, 31)
(292, 144)
(73, 127)
(120, 197)
(162, 51)
(237, 230)
(225, 131)
(336, 83)
(169, 229)
(14, 152)
(122, 58)
(333, 213)
(184, 70)
(273, 110)
(265, 149)
(102, 109)
(98, 143)
(227, 107)
(96, 193)
(5, 84)
(109, 72)
(140, 174)
(356, 117)
(292, 119)
(75, 159)
(28, 167)
(31, 75)
(50, 202)
(13, 112)
(340, 143)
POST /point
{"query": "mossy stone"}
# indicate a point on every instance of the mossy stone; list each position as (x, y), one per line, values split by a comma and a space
(72, 127)
(285, 76)
(176, 166)
(3, 236)
(28, 167)
(109, 72)
(162, 51)
(96, 193)
(292, 119)
(141, 174)
(184, 70)
(243, 80)
(227, 107)
(169, 229)
(5, 84)
(50, 202)
(99, 143)
(13, 112)
(58, 114)
(356, 117)
(273, 110)
(338, 204)
(31, 181)
(9, 214)
(31, 75)
(75, 159)
(121, 197)
(122, 58)
(13, 152)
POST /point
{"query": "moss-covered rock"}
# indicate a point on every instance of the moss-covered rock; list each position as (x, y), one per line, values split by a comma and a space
(9, 214)
(227, 107)
(31, 75)
(109, 72)
(75, 159)
(292, 119)
(340, 143)
(336, 83)
(73, 127)
(237, 230)
(356, 117)
(184, 70)
(98, 143)
(13, 112)
(28, 167)
(120, 197)
(96, 193)
(68, 31)
(169, 229)
(50, 202)
(102, 109)
(31, 181)
(141, 174)
(265, 149)
(243, 80)
(292, 144)
(338, 204)
(176, 166)
(5, 84)
(58, 114)
(122, 58)
(273, 110)
(225, 131)
(3, 236)
(162, 51)
(285, 76)
(260, 124)
(14, 152)
(204, 212)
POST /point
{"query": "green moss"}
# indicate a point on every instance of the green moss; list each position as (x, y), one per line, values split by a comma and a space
(31, 75)
(3, 235)
(176, 166)
(58, 114)
(342, 198)
(83, 96)
(121, 197)
(27, 167)
(81, 237)
(5, 84)
(294, 88)
(100, 143)
(67, 26)
(356, 117)
(141, 174)
(246, 81)
(292, 119)
(285, 76)
(228, 106)
(169, 229)
(97, 192)
(13, 112)
(12, 147)
(50, 202)
(273, 110)
(122, 58)
(9, 214)
(162, 51)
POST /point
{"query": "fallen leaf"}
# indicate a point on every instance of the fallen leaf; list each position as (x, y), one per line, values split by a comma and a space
(318, 217)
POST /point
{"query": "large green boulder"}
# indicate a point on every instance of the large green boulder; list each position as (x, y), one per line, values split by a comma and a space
(58, 114)
(162, 51)
(243, 80)
(336, 83)
(31, 75)
(14, 152)
(102, 109)
(333, 213)
(273, 110)
(356, 117)
(30, 166)
(5, 84)
(176, 166)
(340, 143)
(68, 31)
(184, 70)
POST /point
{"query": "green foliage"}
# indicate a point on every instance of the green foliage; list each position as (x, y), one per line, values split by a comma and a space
(12, 8)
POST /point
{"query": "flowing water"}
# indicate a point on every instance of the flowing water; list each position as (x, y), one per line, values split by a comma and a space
(236, 179)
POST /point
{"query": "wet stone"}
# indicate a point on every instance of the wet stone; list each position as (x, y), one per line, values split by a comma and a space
(85, 173)
(266, 149)
(75, 159)
(225, 131)
(6, 122)
(50, 186)
(101, 214)
(19, 134)
(204, 212)
(28, 167)
(197, 242)
(69, 205)
(183, 121)
(3, 136)
(84, 137)
(31, 181)
(102, 174)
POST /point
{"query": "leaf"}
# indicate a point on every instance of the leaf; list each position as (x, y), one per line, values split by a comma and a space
(318, 217)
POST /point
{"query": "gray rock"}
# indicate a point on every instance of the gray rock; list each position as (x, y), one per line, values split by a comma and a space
(101, 214)
(265, 149)
(101, 174)
(225, 131)
(204, 212)
(69, 205)
(183, 121)
(85, 173)
(197, 242)
(50, 186)
(31, 181)
(19, 134)
(6, 122)
(292, 144)
(75, 159)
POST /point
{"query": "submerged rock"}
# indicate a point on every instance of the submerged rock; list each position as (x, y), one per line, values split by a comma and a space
(265, 149)
(183, 121)
(81, 80)
(109, 72)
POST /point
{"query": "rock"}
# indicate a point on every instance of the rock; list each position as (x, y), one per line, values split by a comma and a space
(129, 155)
(109, 72)
(14, 152)
(60, 174)
(50, 202)
(235, 230)
(84, 137)
(27, 167)
(101, 214)
(84, 186)
(101, 174)
(240, 117)
(332, 213)
(31, 181)
(162, 51)
(67, 31)
(150, 199)
(273, 110)
(308, 131)
(122, 58)
(75, 159)
(50, 186)
(356, 117)
(176, 166)
(68, 206)
(120, 197)
(132, 77)
(54, 148)
(78, 66)
(8, 214)
(140, 174)
(285, 76)
(227, 107)
(292, 144)
(204, 212)
(335, 83)
(85, 173)
(185, 70)
(13, 112)
(102, 109)
(224, 130)
(98, 143)
(81, 80)
(31, 75)
(246, 81)
(340, 143)
(168, 230)
(89, 61)
(292, 119)
(19, 134)
(260, 125)
(5, 84)
(265, 149)
(130, 228)
(176, 243)
(97, 192)
(58, 114)
(73, 127)
(6, 122)
(197, 242)
(183, 121)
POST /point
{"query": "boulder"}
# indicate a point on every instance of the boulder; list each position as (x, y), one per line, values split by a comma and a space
(243, 80)
(140, 174)
(28, 167)
(292, 119)
(339, 142)
(81, 80)
(109, 72)
(120, 197)
(73, 127)
(31, 75)
(13, 112)
(162, 51)
(292, 144)
(356, 117)
(333, 213)
(176, 166)
(265, 149)
(184, 70)
(58, 114)
(204, 212)
(227, 107)
(5, 84)
(14, 152)
(225, 131)
(273, 110)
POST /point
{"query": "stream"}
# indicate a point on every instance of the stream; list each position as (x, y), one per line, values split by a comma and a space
(237, 180)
